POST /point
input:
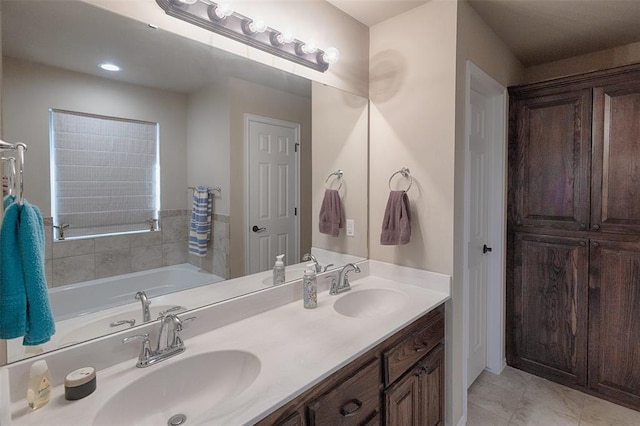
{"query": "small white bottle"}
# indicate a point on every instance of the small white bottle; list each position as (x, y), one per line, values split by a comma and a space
(278, 271)
(39, 389)
(310, 287)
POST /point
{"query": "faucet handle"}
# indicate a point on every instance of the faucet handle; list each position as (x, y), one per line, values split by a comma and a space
(171, 309)
(145, 351)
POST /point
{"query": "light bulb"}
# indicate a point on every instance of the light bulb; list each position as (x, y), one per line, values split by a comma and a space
(224, 9)
(258, 25)
(309, 47)
(187, 1)
(331, 55)
(254, 26)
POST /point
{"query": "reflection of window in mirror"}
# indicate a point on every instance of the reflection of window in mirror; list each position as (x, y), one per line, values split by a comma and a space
(105, 174)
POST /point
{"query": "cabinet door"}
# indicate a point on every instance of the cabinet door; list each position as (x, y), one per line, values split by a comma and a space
(549, 161)
(402, 401)
(614, 314)
(547, 308)
(616, 158)
(432, 389)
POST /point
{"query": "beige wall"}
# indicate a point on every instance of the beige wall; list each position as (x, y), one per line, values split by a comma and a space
(412, 125)
(610, 58)
(208, 147)
(31, 89)
(309, 19)
(250, 98)
(340, 142)
(480, 45)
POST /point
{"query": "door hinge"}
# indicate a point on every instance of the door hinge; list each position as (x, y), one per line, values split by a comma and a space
(295, 147)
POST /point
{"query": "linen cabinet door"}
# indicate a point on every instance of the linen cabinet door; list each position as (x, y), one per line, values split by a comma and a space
(616, 158)
(614, 321)
(549, 160)
(432, 389)
(547, 307)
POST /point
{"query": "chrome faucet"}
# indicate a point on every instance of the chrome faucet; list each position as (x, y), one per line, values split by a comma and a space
(169, 341)
(341, 284)
(309, 256)
(146, 314)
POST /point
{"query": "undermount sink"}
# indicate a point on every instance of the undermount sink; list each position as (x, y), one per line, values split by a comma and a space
(370, 303)
(290, 274)
(190, 387)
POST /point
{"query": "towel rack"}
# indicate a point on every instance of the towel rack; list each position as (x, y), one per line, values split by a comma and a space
(338, 175)
(11, 184)
(406, 174)
(20, 148)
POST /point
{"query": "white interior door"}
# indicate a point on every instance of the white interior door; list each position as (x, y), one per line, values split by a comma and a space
(272, 189)
(484, 231)
(478, 243)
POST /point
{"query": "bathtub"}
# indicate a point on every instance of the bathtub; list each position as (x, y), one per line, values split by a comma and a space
(73, 300)
(84, 311)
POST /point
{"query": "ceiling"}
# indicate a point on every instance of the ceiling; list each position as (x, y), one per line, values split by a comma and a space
(86, 36)
(536, 31)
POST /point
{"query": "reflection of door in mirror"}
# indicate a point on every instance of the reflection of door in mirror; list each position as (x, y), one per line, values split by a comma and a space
(272, 188)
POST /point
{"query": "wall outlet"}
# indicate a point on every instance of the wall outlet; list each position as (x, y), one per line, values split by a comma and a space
(351, 228)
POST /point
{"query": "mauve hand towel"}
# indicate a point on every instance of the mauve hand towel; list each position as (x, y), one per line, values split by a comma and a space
(331, 213)
(396, 225)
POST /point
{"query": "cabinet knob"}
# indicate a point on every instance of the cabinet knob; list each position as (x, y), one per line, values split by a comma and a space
(596, 244)
(596, 227)
(350, 408)
(583, 226)
(583, 244)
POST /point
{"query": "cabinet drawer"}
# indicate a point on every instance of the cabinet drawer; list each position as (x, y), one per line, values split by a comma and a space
(353, 402)
(411, 349)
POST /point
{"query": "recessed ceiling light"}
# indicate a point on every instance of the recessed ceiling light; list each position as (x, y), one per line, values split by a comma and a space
(109, 67)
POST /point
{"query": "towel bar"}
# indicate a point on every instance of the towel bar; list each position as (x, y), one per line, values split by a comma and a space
(338, 175)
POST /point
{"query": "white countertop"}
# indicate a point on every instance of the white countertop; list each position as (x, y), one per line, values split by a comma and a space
(297, 349)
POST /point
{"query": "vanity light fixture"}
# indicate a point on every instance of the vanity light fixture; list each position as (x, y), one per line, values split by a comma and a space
(109, 67)
(220, 18)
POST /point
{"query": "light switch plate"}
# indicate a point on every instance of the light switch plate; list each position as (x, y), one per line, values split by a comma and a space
(351, 228)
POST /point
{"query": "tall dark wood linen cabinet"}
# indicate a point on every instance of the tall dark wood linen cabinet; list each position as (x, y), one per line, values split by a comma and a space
(573, 232)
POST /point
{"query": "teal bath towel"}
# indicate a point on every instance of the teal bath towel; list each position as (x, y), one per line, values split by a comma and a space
(24, 299)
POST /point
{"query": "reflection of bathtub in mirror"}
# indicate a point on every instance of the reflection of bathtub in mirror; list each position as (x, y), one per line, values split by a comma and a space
(84, 311)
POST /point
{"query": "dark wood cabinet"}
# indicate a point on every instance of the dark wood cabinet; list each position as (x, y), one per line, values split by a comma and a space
(573, 232)
(616, 158)
(372, 388)
(549, 309)
(614, 310)
(550, 156)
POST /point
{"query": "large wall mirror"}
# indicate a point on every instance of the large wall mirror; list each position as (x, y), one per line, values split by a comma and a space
(272, 142)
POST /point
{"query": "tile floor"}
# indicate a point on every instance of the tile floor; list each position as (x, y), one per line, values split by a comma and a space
(516, 398)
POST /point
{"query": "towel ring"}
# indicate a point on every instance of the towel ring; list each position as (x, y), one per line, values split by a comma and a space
(339, 174)
(406, 174)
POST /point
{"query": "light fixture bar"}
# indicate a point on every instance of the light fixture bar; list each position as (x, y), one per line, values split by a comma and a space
(237, 27)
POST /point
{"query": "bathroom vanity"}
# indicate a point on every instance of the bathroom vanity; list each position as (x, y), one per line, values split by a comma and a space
(372, 355)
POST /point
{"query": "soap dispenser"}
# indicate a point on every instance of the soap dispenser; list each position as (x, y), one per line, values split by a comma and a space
(310, 287)
(39, 388)
(278, 270)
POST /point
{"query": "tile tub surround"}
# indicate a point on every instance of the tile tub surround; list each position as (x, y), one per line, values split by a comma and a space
(73, 261)
(241, 324)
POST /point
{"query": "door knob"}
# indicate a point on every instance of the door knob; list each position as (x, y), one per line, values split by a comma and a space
(486, 249)
(256, 229)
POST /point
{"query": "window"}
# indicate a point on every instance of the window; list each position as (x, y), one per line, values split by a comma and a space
(104, 173)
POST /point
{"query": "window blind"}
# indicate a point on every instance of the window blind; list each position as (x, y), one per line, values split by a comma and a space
(105, 173)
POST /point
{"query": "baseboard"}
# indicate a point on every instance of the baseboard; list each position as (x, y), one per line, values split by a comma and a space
(463, 421)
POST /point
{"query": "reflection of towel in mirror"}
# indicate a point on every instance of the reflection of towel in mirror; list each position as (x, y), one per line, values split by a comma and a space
(8, 200)
(200, 226)
(24, 297)
(331, 213)
(396, 224)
